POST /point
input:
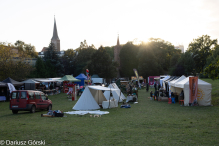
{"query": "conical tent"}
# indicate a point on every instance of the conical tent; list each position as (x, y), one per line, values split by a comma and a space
(86, 101)
(118, 91)
(69, 78)
(91, 98)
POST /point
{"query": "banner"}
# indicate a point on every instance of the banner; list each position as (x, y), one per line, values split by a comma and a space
(193, 89)
(136, 74)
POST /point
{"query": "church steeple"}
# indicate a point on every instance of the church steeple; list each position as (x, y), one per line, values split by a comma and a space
(55, 38)
(117, 49)
(55, 33)
(118, 41)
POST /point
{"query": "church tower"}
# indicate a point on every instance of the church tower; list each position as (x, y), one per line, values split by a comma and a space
(55, 39)
(117, 49)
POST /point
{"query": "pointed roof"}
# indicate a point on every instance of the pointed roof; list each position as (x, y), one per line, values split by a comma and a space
(15, 83)
(118, 41)
(69, 78)
(81, 76)
(30, 81)
(55, 33)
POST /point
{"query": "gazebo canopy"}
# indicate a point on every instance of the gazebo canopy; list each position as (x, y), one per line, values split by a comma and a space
(81, 76)
(31, 81)
(69, 78)
(3, 84)
(15, 83)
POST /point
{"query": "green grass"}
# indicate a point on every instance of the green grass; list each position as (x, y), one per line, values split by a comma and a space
(146, 123)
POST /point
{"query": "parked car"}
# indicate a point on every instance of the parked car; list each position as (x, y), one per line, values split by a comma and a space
(29, 100)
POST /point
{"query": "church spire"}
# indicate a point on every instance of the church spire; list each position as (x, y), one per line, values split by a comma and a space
(118, 40)
(55, 33)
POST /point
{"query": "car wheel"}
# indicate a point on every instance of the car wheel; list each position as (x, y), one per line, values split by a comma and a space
(49, 107)
(33, 109)
(14, 111)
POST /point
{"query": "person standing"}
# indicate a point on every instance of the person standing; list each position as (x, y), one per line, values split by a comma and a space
(155, 86)
(147, 87)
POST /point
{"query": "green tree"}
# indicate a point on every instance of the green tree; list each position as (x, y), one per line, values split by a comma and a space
(110, 51)
(148, 62)
(40, 70)
(201, 50)
(68, 60)
(212, 65)
(28, 49)
(52, 59)
(83, 57)
(128, 59)
(102, 64)
(13, 63)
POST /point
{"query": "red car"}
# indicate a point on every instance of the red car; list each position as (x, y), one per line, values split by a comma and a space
(29, 100)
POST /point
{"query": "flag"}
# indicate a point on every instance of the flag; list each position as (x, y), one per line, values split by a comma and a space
(193, 89)
(136, 74)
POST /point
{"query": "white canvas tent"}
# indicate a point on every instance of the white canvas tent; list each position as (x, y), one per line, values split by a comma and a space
(204, 91)
(91, 98)
(161, 80)
(116, 93)
(163, 83)
(172, 84)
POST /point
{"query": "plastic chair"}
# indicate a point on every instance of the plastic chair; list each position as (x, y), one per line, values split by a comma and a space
(181, 101)
(173, 100)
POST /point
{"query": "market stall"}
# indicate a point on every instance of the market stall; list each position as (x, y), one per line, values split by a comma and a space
(69, 86)
(30, 84)
(81, 77)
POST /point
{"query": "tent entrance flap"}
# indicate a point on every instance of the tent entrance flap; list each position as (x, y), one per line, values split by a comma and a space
(98, 95)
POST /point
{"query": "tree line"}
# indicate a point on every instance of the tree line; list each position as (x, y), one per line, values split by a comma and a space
(153, 58)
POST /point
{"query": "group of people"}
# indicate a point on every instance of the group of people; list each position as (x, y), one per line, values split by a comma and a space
(132, 89)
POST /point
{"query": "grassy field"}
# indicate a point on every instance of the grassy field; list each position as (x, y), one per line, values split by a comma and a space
(146, 123)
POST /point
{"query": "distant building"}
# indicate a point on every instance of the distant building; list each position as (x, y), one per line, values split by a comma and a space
(56, 41)
(180, 47)
(60, 54)
(117, 50)
(55, 38)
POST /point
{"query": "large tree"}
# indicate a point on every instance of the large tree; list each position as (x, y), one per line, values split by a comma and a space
(83, 57)
(201, 50)
(148, 62)
(53, 61)
(28, 49)
(68, 60)
(128, 59)
(212, 65)
(102, 64)
(13, 63)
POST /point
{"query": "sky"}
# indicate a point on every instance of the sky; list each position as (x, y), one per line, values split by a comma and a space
(99, 22)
